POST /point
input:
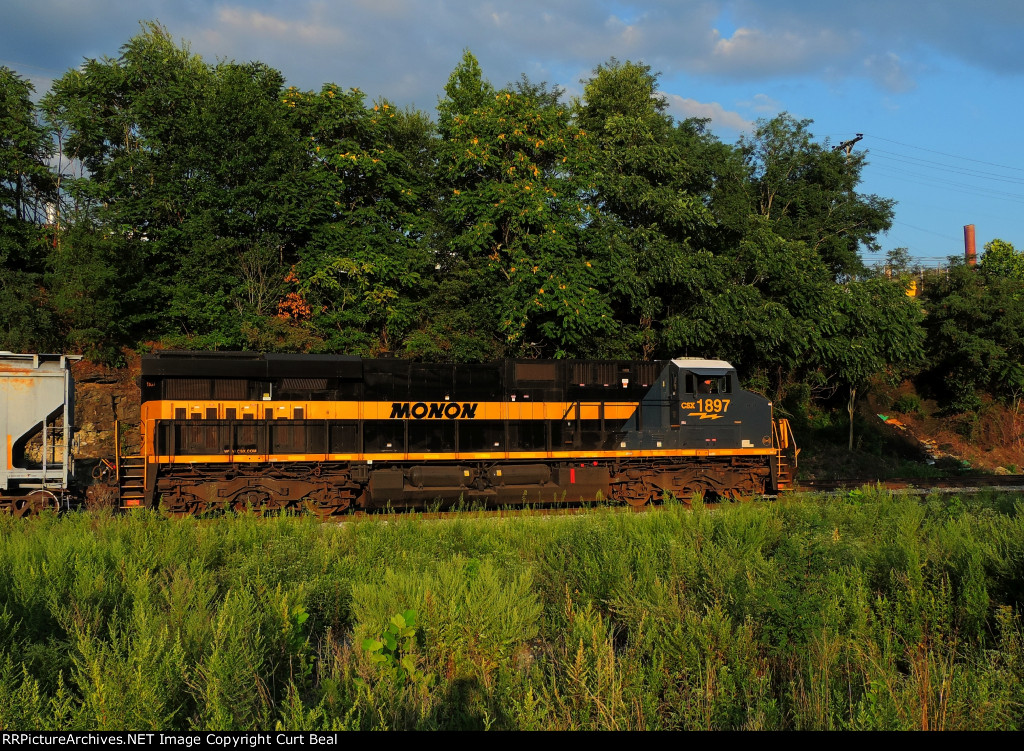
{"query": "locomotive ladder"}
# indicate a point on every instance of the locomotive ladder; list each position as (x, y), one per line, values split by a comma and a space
(785, 445)
(132, 481)
(131, 474)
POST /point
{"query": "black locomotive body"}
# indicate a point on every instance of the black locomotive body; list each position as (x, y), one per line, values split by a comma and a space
(236, 430)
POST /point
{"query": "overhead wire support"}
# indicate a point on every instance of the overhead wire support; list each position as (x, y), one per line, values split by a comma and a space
(847, 146)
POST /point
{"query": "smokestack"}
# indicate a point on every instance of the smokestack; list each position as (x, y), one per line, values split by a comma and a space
(969, 253)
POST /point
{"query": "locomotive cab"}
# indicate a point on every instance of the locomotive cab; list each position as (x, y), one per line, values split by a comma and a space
(697, 405)
(714, 410)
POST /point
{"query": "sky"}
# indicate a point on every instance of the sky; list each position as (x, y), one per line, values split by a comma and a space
(935, 87)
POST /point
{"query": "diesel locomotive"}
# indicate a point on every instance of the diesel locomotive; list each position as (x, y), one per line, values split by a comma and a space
(326, 433)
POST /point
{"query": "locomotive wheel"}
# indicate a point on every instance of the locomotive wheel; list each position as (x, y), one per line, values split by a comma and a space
(687, 493)
(318, 509)
(179, 506)
(253, 501)
(323, 508)
(271, 506)
(327, 501)
(636, 494)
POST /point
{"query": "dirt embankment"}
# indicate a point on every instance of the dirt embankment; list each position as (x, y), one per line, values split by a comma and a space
(990, 439)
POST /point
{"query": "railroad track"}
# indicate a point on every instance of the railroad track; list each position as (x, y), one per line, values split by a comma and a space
(921, 485)
(909, 485)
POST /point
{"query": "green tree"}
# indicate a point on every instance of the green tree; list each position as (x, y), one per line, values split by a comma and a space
(359, 280)
(867, 328)
(808, 191)
(644, 212)
(1002, 259)
(466, 90)
(190, 177)
(26, 188)
(755, 304)
(975, 338)
(512, 184)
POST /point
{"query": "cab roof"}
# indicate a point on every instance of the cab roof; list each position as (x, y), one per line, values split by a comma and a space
(703, 367)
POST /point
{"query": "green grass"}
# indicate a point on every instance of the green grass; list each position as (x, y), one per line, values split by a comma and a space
(867, 611)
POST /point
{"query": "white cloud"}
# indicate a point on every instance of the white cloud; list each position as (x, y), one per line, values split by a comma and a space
(682, 107)
(314, 31)
(623, 34)
(405, 49)
(753, 52)
(762, 104)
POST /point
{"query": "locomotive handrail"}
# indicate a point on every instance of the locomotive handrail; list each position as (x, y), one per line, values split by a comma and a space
(572, 406)
(792, 439)
(785, 438)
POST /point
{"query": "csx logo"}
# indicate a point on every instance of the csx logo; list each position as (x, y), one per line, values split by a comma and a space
(433, 410)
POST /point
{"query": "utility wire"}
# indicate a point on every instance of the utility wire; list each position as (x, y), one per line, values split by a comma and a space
(943, 153)
(978, 191)
(930, 232)
(926, 164)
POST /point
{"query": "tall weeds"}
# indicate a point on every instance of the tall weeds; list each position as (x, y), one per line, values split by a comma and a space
(866, 611)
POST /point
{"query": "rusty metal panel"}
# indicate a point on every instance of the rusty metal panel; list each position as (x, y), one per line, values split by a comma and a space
(36, 420)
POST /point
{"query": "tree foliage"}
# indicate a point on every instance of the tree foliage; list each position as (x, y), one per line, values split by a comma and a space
(808, 191)
(359, 278)
(975, 337)
(644, 211)
(26, 187)
(190, 177)
(1003, 260)
(515, 173)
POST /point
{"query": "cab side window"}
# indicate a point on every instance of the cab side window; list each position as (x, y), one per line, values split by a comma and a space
(706, 384)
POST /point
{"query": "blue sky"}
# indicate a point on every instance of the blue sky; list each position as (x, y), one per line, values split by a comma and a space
(934, 86)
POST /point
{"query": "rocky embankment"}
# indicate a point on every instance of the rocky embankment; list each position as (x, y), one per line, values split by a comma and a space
(103, 401)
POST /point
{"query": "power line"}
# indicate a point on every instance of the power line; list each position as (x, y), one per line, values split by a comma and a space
(943, 153)
(978, 191)
(926, 164)
(930, 232)
(16, 65)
